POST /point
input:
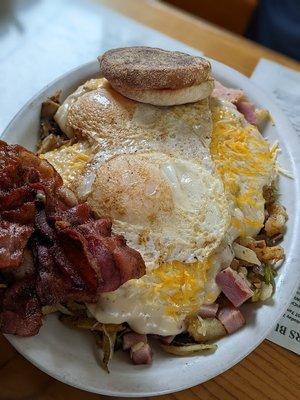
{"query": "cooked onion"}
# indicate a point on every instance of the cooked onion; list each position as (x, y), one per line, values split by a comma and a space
(266, 291)
(245, 254)
(203, 330)
(49, 310)
(109, 339)
(63, 309)
(188, 349)
(89, 323)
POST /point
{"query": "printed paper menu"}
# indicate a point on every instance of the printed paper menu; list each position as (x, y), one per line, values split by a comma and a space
(284, 84)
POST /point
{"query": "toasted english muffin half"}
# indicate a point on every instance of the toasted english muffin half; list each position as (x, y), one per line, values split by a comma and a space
(156, 76)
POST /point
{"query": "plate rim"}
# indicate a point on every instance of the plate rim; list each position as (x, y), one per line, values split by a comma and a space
(280, 119)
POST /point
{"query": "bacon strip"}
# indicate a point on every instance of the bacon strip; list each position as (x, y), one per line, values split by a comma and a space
(21, 313)
(13, 240)
(76, 256)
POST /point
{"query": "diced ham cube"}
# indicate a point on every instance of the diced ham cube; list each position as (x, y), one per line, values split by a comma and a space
(141, 353)
(223, 93)
(231, 318)
(167, 339)
(234, 286)
(208, 310)
(248, 110)
(130, 339)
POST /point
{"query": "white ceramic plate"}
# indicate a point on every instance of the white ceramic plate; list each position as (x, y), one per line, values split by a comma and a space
(69, 356)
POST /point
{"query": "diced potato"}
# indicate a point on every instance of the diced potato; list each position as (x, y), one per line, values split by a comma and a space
(235, 264)
(203, 330)
(270, 194)
(245, 254)
(262, 117)
(266, 254)
(275, 224)
(274, 254)
(50, 143)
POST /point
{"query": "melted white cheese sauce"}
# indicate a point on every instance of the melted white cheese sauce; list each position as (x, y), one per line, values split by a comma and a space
(146, 311)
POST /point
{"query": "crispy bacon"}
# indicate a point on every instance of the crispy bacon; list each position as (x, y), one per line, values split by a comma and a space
(13, 240)
(21, 313)
(76, 215)
(25, 214)
(76, 256)
(26, 268)
(106, 262)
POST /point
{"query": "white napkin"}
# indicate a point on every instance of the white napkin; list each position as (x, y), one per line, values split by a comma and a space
(284, 85)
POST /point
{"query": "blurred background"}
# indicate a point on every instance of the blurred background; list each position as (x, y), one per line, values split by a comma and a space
(42, 39)
(272, 23)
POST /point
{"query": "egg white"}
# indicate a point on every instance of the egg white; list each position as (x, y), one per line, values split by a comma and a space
(167, 208)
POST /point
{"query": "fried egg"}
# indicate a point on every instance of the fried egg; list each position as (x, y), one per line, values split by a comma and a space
(168, 208)
(151, 172)
(180, 183)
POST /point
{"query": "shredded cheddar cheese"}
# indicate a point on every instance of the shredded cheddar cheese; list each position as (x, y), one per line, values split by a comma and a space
(245, 162)
(180, 285)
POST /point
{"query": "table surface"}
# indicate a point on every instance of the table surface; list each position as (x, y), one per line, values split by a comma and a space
(270, 372)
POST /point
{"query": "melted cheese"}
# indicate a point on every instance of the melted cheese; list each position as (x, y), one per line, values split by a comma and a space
(70, 161)
(160, 301)
(180, 285)
(246, 164)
